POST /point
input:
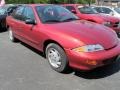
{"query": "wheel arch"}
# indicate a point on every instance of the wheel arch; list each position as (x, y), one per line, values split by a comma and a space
(47, 42)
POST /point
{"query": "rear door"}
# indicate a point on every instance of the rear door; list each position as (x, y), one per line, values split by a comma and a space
(16, 21)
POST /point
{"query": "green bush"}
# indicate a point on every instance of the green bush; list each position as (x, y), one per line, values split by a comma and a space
(49, 1)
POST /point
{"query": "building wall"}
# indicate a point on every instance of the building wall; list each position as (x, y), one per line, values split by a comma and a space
(108, 3)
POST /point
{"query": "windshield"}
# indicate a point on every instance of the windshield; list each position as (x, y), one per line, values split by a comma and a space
(87, 10)
(54, 13)
(117, 10)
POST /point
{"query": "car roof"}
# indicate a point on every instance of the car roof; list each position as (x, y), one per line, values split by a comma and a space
(104, 6)
(34, 5)
(73, 4)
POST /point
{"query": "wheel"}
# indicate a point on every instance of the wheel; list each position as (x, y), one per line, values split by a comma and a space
(56, 57)
(3, 25)
(0, 28)
(118, 34)
(11, 35)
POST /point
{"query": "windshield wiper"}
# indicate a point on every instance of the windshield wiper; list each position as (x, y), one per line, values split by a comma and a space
(51, 21)
(90, 12)
(69, 19)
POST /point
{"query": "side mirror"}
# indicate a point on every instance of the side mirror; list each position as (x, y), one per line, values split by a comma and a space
(30, 21)
(73, 11)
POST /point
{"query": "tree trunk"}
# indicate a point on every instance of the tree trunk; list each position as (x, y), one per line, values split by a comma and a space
(71, 1)
(52, 1)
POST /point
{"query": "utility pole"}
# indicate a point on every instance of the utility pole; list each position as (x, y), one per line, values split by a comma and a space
(98, 2)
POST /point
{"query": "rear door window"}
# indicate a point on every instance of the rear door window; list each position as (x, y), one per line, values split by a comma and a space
(18, 13)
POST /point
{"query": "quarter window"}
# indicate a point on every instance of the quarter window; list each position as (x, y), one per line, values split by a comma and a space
(19, 11)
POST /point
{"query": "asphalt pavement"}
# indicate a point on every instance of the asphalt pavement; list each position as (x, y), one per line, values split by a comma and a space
(24, 68)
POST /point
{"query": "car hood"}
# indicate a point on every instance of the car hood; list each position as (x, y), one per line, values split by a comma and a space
(86, 32)
(105, 17)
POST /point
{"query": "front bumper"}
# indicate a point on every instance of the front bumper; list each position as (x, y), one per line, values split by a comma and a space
(78, 60)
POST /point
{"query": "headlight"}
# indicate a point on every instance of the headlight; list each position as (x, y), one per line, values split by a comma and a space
(107, 23)
(89, 48)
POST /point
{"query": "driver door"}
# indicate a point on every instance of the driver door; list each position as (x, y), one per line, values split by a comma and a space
(29, 31)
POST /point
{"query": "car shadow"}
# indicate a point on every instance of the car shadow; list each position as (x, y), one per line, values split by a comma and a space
(97, 73)
(100, 72)
(33, 49)
(3, 30)
(68, 71)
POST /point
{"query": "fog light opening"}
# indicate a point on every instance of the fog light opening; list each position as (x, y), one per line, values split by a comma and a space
(91, 62)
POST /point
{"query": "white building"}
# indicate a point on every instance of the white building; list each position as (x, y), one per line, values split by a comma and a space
(108, 2)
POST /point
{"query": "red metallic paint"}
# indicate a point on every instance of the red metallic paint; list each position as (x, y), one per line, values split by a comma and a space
(69, 35)
(98, 18)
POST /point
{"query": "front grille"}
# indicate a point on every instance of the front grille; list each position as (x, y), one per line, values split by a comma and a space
(116, 22)
(111, 60)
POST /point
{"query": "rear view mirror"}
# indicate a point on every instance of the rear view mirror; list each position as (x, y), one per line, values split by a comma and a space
(30, 21)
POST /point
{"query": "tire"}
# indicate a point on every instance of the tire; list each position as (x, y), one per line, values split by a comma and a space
(56, 57)
(118, 34)
(3, 25)
(11, 35)
(0, 28)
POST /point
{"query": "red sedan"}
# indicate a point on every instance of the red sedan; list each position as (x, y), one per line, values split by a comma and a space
(65, 40)
(90, 14)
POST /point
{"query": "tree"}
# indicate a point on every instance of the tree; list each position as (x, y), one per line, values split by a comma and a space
(50, 1)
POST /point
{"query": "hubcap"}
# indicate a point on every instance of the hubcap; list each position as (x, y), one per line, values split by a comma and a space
(10, 35)
(54, 57)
